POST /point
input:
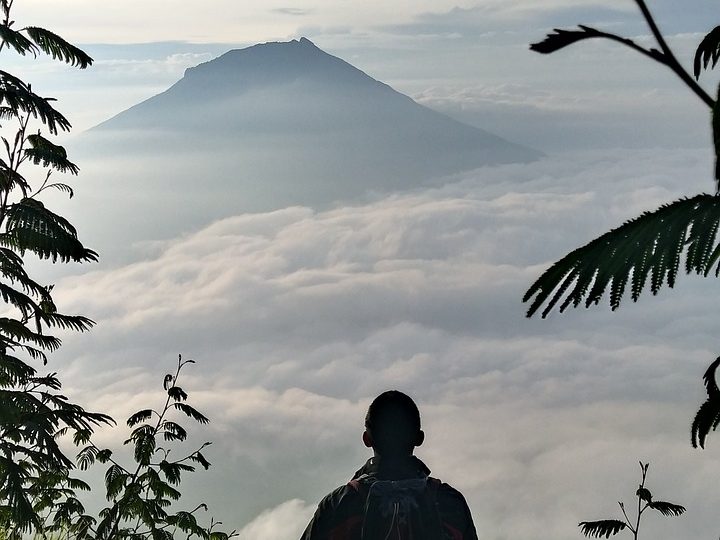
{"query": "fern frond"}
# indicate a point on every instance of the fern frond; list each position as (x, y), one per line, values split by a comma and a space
(17, 298)
(16, 333)
(12, 270)
(62, 187)
(667, 509)
(58, 48)
(598, 529)
(44, 152)
(33, 352)
(192, 412)
(562, 38)
(708, 51)
(711, 386)
(139, 416)
(708, 416)
(199, 458)
(173, 431)
(6, 113)
(78, 323)
(16, 40)
(17, 95)
(648, 247)
(11, 179)
(32, 227)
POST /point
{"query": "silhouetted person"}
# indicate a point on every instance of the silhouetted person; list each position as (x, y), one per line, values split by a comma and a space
(392, 497)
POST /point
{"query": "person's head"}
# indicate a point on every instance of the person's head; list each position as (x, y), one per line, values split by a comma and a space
(392, 425)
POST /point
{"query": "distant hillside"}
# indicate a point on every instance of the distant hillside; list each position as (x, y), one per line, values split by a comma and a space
(279, 124)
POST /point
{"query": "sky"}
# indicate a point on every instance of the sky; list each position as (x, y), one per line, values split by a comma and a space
(299, 316)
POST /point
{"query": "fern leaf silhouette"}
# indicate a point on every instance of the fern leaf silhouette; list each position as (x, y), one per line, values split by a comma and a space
(708, 416)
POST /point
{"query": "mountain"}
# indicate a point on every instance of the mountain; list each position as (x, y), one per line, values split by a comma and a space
(273, 125)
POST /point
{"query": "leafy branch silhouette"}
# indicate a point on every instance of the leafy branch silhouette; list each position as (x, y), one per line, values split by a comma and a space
(142, 494)
(35, 472)
(610, 527)
(38, 489)
(650, 246)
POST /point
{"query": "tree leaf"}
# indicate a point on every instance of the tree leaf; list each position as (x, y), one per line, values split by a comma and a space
(172, 470)
(62, 187)
(32, 227)
(145, 443)
(14, 332)
(115, 478)
(58, 48)
(139, 416)
(708, 416)
(16, 95)
(644, 494)
(103, 456)
(708, 51)
(647, 247)
(598, 529)
(44, 152)
(562, 38)
(16, 40)
(666, 508)
(86, 456)
(199, 458)
(11, 179)
(173, 432)
(177, 393)
(192, 412)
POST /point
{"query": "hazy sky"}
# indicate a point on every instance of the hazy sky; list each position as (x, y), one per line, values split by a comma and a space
(298, 317)
(466, 58)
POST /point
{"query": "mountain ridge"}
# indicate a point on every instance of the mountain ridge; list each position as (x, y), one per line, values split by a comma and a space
(257, 66)
(275, 125)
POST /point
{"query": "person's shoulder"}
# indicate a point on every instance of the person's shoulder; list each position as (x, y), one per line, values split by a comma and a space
(455, 512)
(446, 490)
(336, 510)
(338, 498)
(450, 499)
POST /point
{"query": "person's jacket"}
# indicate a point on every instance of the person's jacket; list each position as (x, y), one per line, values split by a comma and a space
(339, 515)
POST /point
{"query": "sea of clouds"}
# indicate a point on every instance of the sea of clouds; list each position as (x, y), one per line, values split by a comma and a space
(297, 318)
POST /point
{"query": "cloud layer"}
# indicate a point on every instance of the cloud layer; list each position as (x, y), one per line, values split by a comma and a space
(297, 318)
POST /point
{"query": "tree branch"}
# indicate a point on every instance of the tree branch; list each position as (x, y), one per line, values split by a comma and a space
(670, 59)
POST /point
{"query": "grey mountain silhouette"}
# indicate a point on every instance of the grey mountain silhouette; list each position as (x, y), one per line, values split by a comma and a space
(279, 124)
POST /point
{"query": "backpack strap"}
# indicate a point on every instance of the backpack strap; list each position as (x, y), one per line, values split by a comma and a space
(433, 487)
(351, 525)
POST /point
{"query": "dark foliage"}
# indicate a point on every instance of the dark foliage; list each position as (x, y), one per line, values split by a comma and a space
(667, 509)
(609, 527)
(141, 496)
(598, 529)
(38, 492)
(652, 245)
(562, 38)
(37, 489)
(708, 416)
(708, 51)
(649, 247)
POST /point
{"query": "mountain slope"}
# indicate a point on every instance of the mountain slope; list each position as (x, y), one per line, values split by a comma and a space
(274, 125)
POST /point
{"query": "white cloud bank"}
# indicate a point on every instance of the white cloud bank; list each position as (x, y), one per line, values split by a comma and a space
(285, 522)
(297, 318)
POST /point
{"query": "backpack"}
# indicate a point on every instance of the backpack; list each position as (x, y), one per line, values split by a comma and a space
(400, 509)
